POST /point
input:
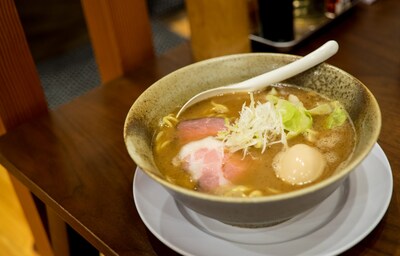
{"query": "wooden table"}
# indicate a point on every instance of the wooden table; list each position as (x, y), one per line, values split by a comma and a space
(74, 158)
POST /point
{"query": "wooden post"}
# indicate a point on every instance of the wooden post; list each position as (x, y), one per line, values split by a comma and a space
(218, 27)
(120, 33)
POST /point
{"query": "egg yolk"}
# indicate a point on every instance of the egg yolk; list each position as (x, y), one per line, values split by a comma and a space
(299, 164)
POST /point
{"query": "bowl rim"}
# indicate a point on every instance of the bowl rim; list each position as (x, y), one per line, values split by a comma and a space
(269, 198)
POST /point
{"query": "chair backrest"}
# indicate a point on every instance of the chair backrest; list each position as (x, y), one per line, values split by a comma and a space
(120, 34)
(21, 95)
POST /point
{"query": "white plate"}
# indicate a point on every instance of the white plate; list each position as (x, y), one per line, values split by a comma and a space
(340, 222)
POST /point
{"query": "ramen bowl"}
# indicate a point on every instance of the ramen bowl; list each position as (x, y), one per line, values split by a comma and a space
(173, 90)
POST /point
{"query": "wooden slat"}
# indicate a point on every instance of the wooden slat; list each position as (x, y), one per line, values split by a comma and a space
(120, 34)
(58, 233)
(21, 95)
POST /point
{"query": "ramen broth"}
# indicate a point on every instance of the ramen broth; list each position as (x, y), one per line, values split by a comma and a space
(258, 177)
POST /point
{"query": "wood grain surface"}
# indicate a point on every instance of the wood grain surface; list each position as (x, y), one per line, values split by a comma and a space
(74, 158)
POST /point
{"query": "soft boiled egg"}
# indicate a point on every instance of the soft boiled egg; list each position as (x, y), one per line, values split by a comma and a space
(299, 164)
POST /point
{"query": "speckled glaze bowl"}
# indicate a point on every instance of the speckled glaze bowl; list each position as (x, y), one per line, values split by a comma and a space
(176, 88)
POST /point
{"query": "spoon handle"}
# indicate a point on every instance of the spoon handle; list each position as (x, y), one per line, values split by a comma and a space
(282, 73)
(277, 75)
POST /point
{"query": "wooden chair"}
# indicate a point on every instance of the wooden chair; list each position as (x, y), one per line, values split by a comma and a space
(121, 38)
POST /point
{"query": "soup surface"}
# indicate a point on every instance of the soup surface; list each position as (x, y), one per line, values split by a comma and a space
(255, 144)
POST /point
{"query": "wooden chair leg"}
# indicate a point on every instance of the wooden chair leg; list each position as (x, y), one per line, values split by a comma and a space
(42, 242)
(56, 240)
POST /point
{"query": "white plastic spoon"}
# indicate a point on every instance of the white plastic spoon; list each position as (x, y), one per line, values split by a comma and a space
(277, 75)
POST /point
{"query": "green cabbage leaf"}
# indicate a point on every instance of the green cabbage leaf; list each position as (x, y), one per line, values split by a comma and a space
(337, 117)
(295, 118)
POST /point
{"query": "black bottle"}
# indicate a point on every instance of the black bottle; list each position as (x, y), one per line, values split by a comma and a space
(276, 20)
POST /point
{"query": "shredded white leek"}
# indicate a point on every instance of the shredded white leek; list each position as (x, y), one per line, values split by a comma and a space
(259, 125)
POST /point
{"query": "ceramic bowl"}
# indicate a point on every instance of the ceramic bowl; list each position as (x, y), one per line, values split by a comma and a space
(176, 88)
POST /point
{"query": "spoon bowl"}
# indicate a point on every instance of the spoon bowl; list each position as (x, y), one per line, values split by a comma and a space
(312, 59)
